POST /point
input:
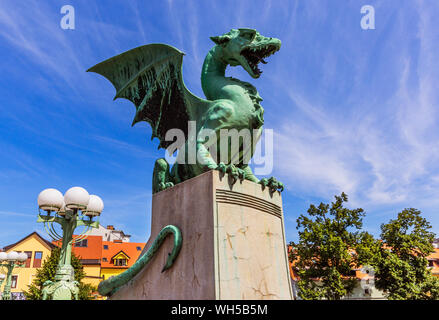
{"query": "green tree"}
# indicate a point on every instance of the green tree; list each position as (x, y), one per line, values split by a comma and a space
(324, 258)
(48, 271)
(401, 265)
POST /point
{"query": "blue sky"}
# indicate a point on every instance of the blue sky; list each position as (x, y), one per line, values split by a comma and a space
(352, 110)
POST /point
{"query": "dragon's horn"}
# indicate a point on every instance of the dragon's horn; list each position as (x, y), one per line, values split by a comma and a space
(219, 40)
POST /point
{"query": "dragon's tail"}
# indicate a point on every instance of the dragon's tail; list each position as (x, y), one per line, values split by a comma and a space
(112, 284)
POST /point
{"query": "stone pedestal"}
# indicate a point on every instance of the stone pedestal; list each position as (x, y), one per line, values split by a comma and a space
(233, 247)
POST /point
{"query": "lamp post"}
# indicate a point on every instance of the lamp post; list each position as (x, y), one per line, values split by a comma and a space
(2, 278)
(10, 260)
(76, 208)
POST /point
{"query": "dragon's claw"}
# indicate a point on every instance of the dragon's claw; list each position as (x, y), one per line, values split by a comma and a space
(164, 186)
(272, 184)
(222, 168)
(234, 172)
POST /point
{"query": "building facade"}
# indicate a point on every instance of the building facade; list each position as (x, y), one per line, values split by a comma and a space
(109, 234)
(118, 256)
(101, 258)
(37, 248)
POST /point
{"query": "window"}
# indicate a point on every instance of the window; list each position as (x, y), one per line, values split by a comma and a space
(104, 259)
(367, 292)
(430, 263)
(37, 259)
(29, 258)
(105, 247)
(120, 262)
(138, 248)
(83, 243)
(14, 282)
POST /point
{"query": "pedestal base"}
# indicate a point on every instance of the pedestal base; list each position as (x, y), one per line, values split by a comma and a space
(233, 247)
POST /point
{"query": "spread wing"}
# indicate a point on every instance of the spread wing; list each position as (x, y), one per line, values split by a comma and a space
(150, 76)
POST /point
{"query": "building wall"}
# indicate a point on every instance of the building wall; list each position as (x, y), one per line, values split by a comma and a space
(109, 234)
(109, 272)
(90, 254)
(359, 292)
(26, 275)
(93, 274)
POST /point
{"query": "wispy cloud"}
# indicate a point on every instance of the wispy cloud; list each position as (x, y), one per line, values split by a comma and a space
(388, 156)
(14, 214)
(352, 110)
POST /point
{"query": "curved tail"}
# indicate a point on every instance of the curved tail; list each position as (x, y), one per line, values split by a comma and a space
(110, 286)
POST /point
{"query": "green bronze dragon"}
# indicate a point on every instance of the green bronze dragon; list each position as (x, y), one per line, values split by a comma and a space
(150, 76)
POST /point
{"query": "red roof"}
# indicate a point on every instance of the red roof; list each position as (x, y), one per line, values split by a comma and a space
(93, 251)
(130, 249)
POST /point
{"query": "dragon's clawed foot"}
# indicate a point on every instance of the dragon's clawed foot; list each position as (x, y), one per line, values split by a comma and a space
(272, 184)
(234, 172)
(165, 185)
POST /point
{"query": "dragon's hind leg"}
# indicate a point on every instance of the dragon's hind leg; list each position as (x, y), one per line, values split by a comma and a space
(161, 178)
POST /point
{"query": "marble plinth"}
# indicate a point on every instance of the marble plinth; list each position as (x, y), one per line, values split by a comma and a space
(233, 247)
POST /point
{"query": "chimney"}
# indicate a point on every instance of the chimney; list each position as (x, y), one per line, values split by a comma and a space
(110, 227)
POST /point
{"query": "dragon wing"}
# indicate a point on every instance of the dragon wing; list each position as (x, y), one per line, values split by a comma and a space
(150, 76)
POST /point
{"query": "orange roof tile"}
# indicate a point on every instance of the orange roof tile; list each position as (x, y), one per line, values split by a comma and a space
(92, 251)
(129, 248)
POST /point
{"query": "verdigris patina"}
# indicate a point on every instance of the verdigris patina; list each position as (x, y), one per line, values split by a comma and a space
(110, 286)
(151, 77)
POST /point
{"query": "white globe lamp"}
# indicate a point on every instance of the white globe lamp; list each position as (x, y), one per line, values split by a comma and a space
(76, 198)
(50, 200)
(22, 257)
(94, 207)
(12, 256)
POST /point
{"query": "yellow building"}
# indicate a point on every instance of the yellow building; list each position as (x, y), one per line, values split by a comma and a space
(37, 248)
(89, 252)
(118, 256)
(100, 259)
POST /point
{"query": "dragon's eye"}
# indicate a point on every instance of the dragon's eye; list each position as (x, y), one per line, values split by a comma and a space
(248, 34)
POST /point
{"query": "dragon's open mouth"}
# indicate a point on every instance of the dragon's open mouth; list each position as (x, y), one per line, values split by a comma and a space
(254, 55)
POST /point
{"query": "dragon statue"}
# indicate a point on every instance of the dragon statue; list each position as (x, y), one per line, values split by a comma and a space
(150, 76)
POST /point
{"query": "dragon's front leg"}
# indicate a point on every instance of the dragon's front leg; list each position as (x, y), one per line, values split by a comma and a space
(161, 178)
(206, 163)
(235, 172)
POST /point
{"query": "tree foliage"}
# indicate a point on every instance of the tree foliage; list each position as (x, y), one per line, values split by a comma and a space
(324, 258)
(48, 271)
(401, 265)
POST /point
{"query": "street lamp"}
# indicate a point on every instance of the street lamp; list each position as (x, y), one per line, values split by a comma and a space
(2, 278)
(76, 208)
(10, 261)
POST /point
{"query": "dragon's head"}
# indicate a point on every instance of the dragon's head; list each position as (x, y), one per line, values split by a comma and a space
(246, 47)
